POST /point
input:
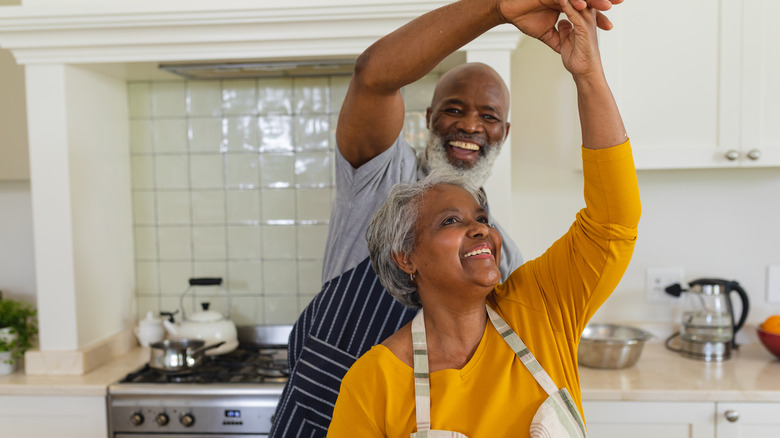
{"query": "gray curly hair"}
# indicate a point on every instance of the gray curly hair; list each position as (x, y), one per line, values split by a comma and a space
(391, 231)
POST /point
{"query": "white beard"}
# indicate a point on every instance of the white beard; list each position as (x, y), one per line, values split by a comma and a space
(436, 158)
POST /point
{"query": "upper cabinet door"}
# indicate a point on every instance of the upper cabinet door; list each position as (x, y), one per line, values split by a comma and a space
(694, 81)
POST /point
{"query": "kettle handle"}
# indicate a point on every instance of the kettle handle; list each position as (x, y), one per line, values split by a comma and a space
(735, 287)
(205, 281)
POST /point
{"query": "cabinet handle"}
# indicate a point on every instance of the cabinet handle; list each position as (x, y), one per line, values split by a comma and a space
(732, 155)
(732, 416)
(754, 154)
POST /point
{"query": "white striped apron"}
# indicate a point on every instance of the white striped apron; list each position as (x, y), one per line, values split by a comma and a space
(557, 417)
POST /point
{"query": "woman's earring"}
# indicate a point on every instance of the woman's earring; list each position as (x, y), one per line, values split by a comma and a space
(411, 275)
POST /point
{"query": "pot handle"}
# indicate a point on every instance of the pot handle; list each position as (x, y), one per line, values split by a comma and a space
(735, 287)
(207, 347)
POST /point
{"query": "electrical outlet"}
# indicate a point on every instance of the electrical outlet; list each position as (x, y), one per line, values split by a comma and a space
(773, 283)
(658, 279)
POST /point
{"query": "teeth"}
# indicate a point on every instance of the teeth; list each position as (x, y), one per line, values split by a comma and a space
(478, 251)
(464, 145)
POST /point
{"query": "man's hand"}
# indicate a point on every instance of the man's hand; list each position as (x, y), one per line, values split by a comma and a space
(537, 18)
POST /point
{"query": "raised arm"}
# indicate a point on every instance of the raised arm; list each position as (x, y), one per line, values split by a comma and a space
(372, 115)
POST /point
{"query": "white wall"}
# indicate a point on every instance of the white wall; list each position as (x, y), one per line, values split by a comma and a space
(713, 223)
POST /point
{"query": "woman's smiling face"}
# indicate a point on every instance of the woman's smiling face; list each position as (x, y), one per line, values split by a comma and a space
(455, 248)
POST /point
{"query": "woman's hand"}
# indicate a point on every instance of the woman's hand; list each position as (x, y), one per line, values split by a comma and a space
(537, 18)
(579, 47)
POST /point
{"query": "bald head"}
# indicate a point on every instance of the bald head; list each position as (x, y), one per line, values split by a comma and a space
(474, 79)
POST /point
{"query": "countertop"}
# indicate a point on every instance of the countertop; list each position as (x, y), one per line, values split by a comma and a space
(751, 374)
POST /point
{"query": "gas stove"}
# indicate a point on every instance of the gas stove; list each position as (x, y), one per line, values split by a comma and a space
(231, 395)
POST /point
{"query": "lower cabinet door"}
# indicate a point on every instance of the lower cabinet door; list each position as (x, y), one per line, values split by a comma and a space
(56, 416)
(650, 419)
(748, 420)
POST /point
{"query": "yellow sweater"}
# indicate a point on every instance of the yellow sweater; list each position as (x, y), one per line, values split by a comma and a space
(547, 301)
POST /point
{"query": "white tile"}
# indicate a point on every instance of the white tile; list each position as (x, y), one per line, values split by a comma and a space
(281, 310)
(174, 278)
(311, 95)
(143, 208)
(174, 243)
(170, 135)
(338, 90)
(278, 243)
(241, 171)
(312, 132)
(204, 98)
(173, 207)
(278, 206)
(139, 96)
(275, 133)
(209, 242)
(145, 243)
(309, 276)
(147, 279)
(243, 207)
(208, 207)
(205, 135)
(311, 241)
(313, 204)
(240, 134)
(242, 310)
(211, 269)
(275, 95)
(245, 278)
(171, 172)
(277, 170)
(169, 99)
(239, 97)
(280, 278)
(313, 169)
(141, 136)
(334, 119)
(206, 171)
(244, 242)
(146, 304)
(303, 301)
(415, 131)
(142, 171)
(417, 96)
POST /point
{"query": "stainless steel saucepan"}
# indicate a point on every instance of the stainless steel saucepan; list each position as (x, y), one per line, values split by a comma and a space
(178, 356)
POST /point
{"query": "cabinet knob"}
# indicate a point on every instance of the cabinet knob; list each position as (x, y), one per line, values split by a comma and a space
(732, 416)
(732, 155)
(754, 154)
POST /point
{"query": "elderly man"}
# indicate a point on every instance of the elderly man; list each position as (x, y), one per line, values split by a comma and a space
(467, 122)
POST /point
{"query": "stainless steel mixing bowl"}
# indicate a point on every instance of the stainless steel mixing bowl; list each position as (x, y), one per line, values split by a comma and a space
(611, 346)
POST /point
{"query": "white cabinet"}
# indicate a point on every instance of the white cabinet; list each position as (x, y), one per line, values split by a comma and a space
(696, 81)
(53, 416)
(682, 419)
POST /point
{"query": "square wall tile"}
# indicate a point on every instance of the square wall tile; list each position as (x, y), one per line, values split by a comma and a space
(312, 132)
(174, 243)
(204, 98)
(278, 206)
(143, 208)
(278, 243)
(281, 310)
(239, 97)
(174, 278)
(311, 95)
(338, 91)
(205, 135)
(169, 99)
(243, 310)
(277, 170)
(313, 205)
(145, 243)
(240, 134)
(280, 278)
(206, 171)
(170, 135)
(212, 269)
(312, 169)
(245, 278)
(173, 207)
(208, 207)
(303, 301)
(147, 279)
(309, 277)
(209, 242)
(139, 97)
(275, 134)
(141, 136)
(243, 207)
(171, 172)
(241, 171)
(142, 172)
(275, 95)
(147, 304)
(417, 96)
(415, 131)
(311, 241)
(244, 242)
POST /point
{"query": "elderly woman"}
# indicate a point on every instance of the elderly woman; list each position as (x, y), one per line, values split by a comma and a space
(483, 358)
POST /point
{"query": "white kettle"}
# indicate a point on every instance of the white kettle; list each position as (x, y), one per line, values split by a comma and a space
(208, 325)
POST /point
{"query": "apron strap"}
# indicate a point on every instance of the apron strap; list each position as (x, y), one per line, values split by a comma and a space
(522, 352)
(422, 385)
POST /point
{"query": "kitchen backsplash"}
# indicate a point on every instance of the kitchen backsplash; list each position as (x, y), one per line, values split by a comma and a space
(235, 179)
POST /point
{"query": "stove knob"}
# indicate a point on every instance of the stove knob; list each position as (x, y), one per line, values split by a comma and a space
(137, 419)
(161, 418)
(187, 420)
